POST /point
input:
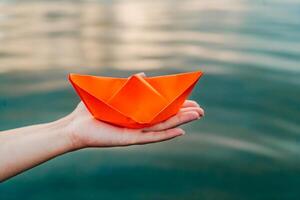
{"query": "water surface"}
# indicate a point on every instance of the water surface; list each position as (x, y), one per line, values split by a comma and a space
(246, 147)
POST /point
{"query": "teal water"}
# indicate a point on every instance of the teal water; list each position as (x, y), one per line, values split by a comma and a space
(246, 147)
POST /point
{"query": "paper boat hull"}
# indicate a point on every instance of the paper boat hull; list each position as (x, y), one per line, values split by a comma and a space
(136, 102)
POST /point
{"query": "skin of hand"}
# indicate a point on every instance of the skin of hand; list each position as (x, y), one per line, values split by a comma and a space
(26, 147)
(89, 132)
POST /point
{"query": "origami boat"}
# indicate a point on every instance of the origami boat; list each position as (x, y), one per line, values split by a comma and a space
(136, 101)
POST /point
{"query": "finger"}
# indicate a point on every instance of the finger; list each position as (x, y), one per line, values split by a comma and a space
(190, 103)
(199, 110)
(177, 120)
(151, 137)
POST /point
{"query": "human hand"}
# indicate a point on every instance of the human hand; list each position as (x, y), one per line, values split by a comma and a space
(86, 131)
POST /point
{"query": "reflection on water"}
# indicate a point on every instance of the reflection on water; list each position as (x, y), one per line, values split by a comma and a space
(249, 140)
(158, 34)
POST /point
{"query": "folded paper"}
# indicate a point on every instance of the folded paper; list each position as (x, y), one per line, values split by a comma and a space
(137, 101)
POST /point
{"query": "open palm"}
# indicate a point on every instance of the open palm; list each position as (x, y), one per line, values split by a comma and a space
(89, 132)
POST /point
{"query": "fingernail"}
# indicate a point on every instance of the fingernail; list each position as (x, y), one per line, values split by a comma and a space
(202, 115)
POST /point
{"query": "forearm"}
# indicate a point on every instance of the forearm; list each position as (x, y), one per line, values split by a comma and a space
(24, 148)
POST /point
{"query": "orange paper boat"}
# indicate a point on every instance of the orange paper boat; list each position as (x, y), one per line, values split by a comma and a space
(137, 101)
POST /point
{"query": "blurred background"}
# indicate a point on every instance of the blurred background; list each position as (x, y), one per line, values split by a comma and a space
(246, 147)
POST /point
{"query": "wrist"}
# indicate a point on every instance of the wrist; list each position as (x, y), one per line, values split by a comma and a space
(67, 126)
(64, 131)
